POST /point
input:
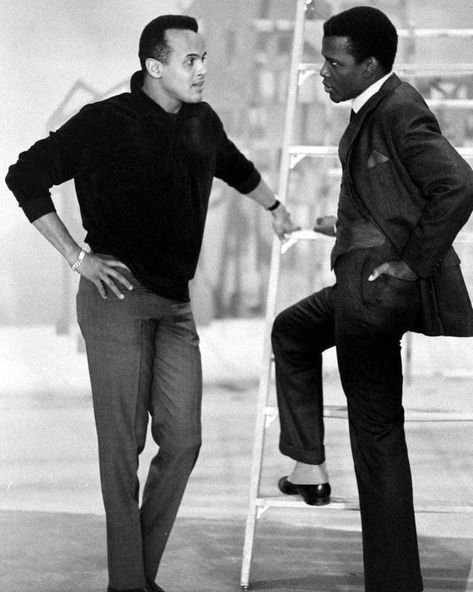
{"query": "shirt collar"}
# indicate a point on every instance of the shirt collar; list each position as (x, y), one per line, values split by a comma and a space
(358, 102)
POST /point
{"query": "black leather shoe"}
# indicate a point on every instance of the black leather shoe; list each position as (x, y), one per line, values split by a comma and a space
(153, 587)
(313, 495)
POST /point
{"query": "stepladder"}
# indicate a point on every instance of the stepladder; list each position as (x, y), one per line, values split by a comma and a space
(266, 411)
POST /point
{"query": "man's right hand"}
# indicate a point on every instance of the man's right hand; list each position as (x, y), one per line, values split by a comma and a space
(326, 225)
(282, 223)
(101, 270)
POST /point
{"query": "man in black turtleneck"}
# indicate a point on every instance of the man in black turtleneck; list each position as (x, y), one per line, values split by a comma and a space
(143, 163)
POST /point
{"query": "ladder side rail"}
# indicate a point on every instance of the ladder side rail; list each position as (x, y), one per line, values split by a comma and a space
(260, 426)
(291, 103)
(271, 303)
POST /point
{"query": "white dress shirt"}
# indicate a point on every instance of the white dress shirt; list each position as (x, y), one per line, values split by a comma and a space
(358, 102)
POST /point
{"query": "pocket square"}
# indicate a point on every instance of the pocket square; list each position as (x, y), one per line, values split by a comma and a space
(376, 158)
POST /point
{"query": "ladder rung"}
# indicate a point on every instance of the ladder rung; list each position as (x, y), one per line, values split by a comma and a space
(323, 151)
(427, 507)
(432, 33)
(452, 103)
(270, 410)
(330, 151)
(452, 74)
(340, 503)
(278, 25)
(437, 416)
(416, 69)
(411, 415)
(338, 411)
(463, 237)
(299, 235)
(336, 503)
(271, 25)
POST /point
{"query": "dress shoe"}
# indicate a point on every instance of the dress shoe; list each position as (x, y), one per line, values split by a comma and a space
(313, 495)
(153, 587)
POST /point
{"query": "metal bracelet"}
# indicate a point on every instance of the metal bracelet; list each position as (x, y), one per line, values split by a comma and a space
(77, 264)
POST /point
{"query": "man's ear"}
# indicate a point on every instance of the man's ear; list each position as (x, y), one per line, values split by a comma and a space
(371, 67)
(153, 67)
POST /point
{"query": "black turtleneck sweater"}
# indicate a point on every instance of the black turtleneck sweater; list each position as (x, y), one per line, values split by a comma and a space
(143, 179)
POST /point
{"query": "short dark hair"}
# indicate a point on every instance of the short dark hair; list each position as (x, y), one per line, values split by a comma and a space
(370, 34)
(153, 43)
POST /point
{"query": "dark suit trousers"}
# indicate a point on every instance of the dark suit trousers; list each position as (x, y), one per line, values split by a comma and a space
(365, 321)
(144, 362)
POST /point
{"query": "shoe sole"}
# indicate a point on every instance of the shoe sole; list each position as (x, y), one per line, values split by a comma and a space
(323, 501)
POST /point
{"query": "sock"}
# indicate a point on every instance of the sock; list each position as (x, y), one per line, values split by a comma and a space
(305, 474)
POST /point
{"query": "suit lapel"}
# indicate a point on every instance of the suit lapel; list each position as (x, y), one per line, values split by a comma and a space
(356, 123)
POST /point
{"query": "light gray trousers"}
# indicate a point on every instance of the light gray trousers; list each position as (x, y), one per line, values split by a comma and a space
(144, 362)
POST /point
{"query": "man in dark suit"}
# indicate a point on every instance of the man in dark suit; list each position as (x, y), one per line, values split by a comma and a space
(405, 194)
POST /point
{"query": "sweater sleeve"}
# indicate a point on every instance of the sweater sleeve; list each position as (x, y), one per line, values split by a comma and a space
(51, 161)
(233, 167)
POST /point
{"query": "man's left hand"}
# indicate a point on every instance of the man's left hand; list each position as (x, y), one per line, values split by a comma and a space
(282, 223)
(397, 269)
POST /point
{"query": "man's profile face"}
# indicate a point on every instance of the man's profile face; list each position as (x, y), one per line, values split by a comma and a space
(343, 77)
(183, 77)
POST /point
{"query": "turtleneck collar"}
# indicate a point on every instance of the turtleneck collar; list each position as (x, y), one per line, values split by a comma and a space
(136, 88)
(136, 82)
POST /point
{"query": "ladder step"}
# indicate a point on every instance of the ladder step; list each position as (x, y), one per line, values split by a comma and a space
(336, 503)
(413, 69)
(412, 415)
(323, 151)
(339, 411)
(351, 503)
(272, 25)
(303, 235)
(329, 151)
(462, 237)
(281, 25)
(455, 104)
(432, 33)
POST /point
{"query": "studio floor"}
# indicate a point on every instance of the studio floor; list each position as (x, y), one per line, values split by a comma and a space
(51, 515)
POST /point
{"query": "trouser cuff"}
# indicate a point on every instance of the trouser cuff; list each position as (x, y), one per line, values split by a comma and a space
(310, 457)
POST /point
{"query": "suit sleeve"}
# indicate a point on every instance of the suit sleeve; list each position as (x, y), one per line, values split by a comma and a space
(52, 161)
(445, 182)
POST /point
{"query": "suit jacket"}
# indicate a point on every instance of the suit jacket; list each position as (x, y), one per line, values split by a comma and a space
(414, 186)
